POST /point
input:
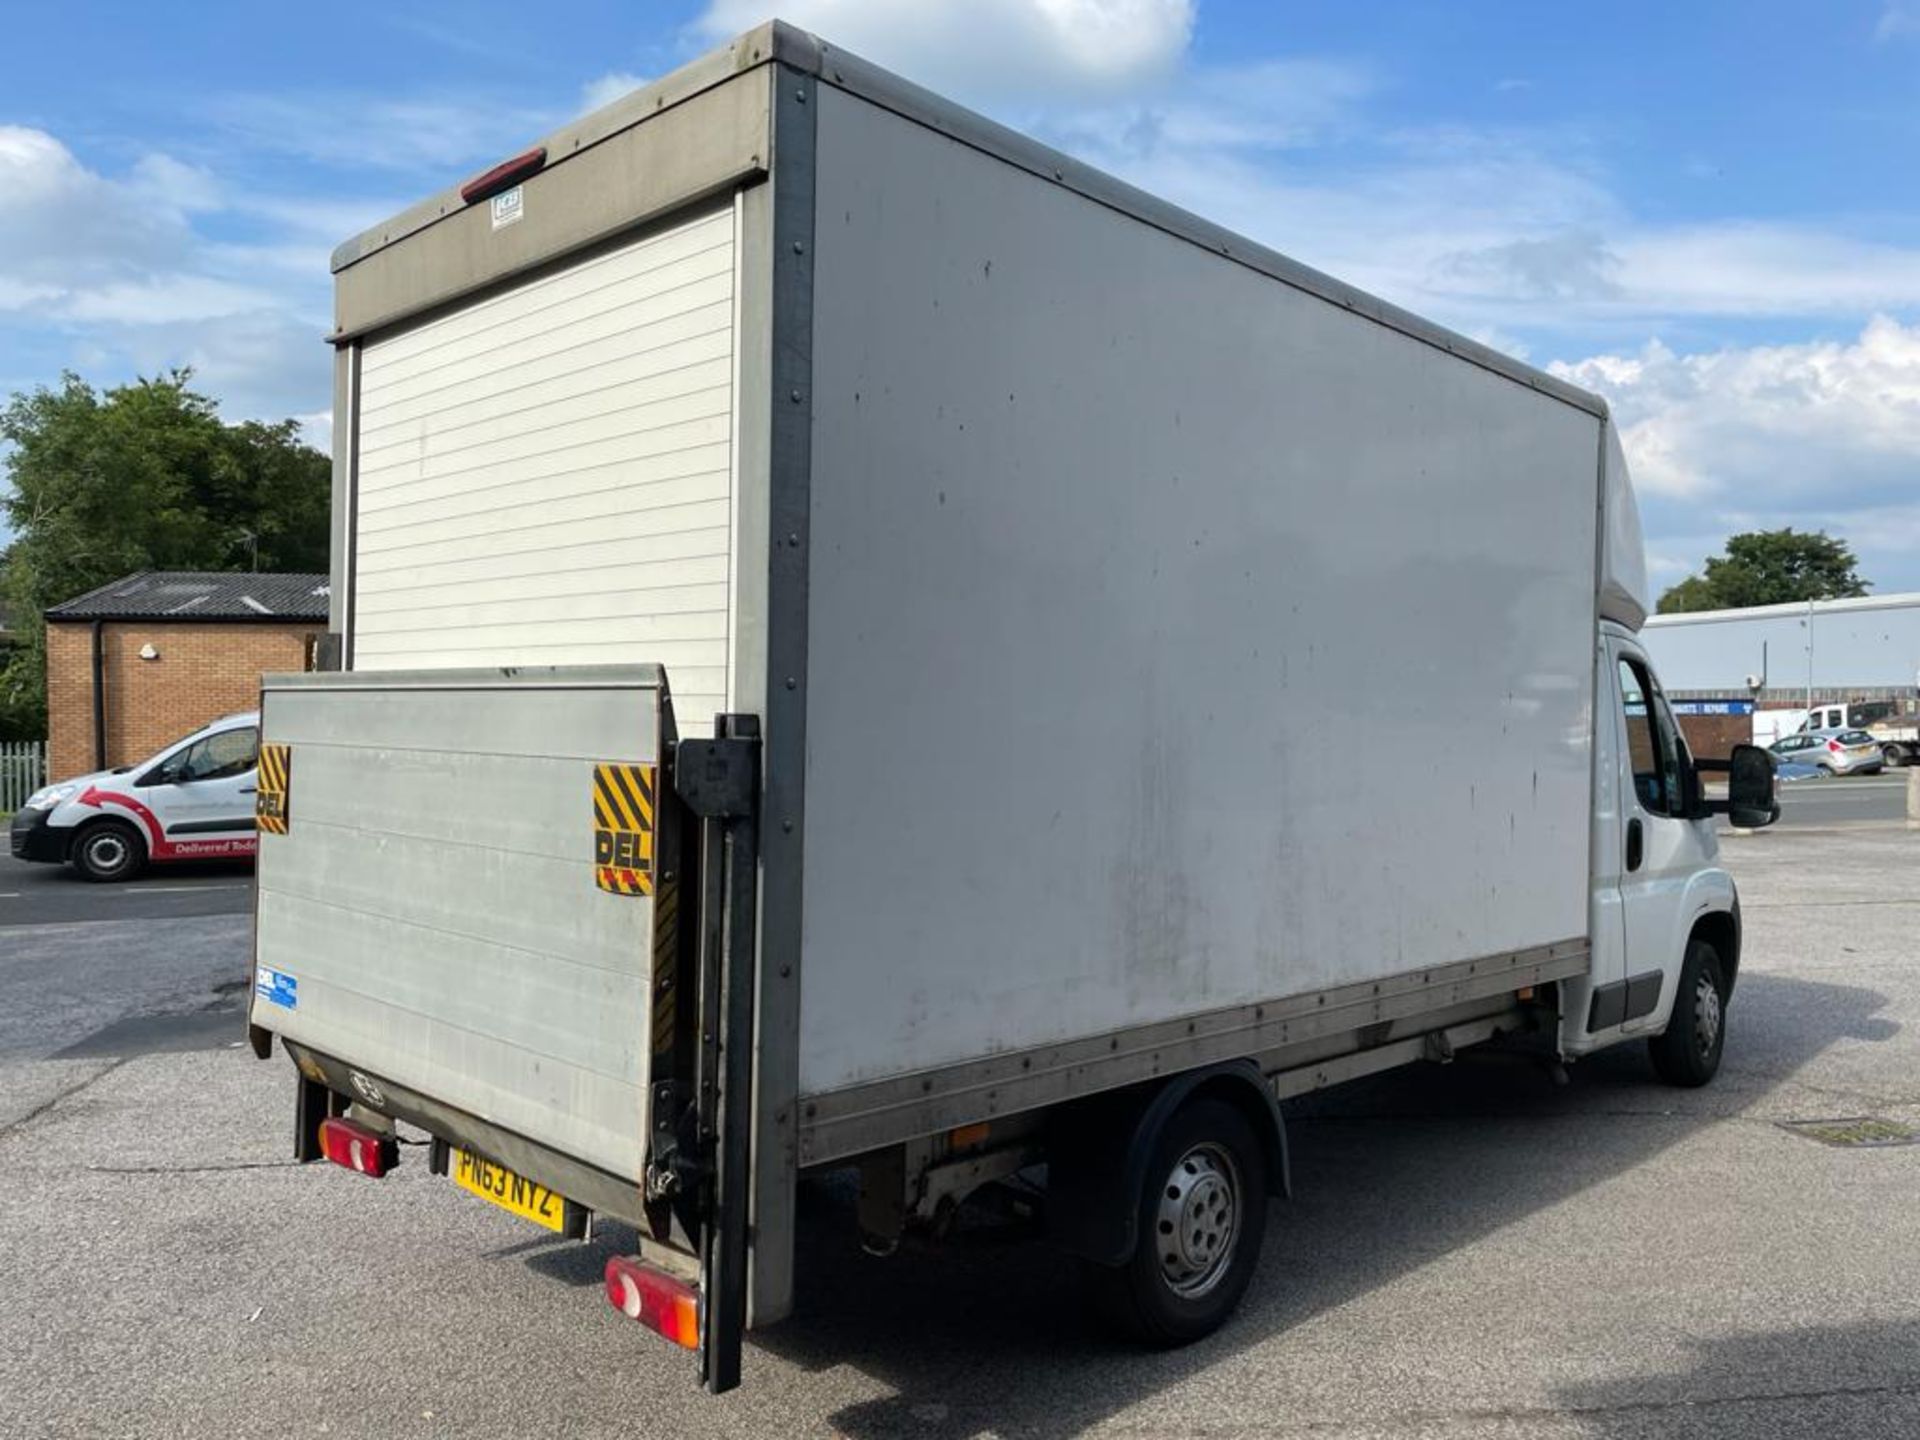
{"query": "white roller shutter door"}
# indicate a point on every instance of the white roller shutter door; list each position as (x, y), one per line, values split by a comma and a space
(545, 476)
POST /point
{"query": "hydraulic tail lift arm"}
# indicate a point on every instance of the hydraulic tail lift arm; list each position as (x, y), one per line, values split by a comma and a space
(719, 780)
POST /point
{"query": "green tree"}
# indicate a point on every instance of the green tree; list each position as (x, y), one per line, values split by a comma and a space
(1770, 567)
(141, 477)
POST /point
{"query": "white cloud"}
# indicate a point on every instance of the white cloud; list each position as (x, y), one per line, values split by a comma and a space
(609, 88)
(163, 300)
(113, 274)
(1821, 436)
(1808, 430)
(1900, 17)
(63, 219)
(988, 47)
(165, 181)
(81, 248)
(1568, 264)
(1750, 268)
(262, 364)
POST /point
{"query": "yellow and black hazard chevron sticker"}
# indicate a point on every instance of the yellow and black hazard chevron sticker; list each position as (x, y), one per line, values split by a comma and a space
(271, 803)
(623, 800)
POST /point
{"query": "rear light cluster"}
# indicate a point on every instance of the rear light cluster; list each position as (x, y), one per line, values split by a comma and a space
(354, 1147)
(1835, 746)
(655, 1299)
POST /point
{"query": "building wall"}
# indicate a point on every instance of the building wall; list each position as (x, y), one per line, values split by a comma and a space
(1712, 737)
(199, 673)
(1845, 649)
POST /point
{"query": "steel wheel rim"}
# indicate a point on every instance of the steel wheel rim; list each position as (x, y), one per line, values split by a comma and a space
(1706, 1014)
(107, 852)
(1197, 1220)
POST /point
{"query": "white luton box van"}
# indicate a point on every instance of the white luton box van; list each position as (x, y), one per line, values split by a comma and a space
(824, 593)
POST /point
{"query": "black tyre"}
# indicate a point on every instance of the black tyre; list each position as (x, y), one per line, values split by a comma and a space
(109, 850)
(1202, 1217)
(1689, 1052)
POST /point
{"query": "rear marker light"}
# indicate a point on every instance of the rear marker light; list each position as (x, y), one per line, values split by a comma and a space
(656, 1300)
(354, 1147)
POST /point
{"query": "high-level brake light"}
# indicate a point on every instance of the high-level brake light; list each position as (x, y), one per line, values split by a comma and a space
(354, 1147)
(655, 1299)
(505, 175)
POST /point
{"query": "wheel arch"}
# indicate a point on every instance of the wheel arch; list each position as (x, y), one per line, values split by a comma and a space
(1721, 929)
(1098, 1151)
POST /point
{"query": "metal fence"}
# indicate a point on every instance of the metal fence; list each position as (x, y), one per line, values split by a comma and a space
(23, 770)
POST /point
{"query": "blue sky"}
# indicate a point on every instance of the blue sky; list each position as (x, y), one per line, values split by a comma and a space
(1710, 212)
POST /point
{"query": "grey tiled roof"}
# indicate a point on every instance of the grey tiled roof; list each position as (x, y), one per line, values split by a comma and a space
(201, 595)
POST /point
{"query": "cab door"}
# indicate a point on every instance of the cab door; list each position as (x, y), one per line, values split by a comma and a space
(203, 796)
(1660, 847)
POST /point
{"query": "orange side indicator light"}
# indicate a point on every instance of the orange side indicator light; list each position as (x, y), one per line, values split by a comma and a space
(967, 1136)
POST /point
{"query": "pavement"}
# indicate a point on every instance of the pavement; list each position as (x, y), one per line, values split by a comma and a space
(1472, 1251)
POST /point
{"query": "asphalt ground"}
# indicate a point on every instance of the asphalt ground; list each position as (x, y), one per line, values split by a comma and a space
(1845, 799)
(1472, 1250)
(38, 894)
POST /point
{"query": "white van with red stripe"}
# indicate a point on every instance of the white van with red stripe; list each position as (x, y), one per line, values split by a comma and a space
(192, 801)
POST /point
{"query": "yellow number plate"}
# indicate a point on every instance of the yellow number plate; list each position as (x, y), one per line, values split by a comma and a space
(491, 1181)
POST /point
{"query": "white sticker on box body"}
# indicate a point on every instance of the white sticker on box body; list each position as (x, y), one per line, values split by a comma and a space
(509, 206)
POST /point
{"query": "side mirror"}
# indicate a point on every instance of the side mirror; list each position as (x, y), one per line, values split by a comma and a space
(1750, 801)
(1750, 796)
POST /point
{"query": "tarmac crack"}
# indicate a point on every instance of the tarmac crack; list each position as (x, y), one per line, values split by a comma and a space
(192, 1169)
(1487, 1116)
(1826, 904)
(1858, 1097)
(1701, 1402)
(14, 1127)
(1419, 1422)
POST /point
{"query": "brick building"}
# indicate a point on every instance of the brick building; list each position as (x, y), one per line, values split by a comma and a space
(145, 660)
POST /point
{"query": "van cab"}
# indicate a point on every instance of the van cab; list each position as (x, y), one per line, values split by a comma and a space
(194, 800)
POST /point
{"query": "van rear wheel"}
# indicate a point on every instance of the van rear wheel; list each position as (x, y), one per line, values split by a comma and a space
(109, 850)
(1688, 1054)
(1201, 1219)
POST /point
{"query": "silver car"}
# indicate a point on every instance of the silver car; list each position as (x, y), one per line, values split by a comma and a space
(1839, 752)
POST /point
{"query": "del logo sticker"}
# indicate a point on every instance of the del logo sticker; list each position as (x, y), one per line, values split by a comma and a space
(271, 804)
(623, 797)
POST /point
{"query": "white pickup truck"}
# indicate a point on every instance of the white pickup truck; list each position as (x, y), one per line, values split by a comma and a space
(826, 589)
